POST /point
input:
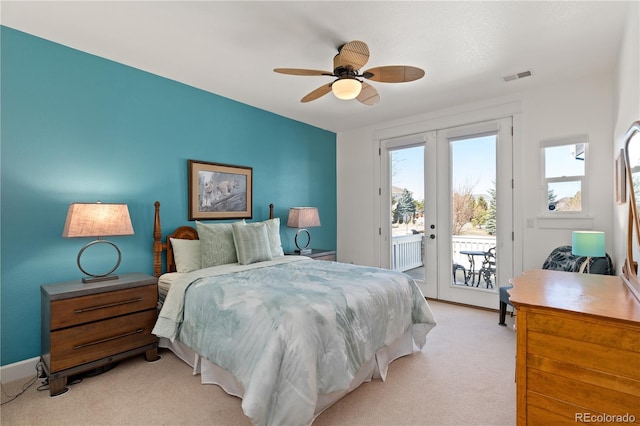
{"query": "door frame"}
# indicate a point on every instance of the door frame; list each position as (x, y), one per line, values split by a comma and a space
(447, 119)
(427, 141)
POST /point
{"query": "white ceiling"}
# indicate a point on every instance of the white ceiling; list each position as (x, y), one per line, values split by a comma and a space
(231, 48)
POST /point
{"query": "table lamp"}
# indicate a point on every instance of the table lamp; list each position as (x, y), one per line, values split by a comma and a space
(587, 243)
(97, 220)
(302, 218)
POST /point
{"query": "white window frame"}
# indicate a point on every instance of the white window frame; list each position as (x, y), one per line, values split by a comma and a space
(584, 179)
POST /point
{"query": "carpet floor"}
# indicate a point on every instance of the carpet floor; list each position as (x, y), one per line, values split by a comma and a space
(463, 376)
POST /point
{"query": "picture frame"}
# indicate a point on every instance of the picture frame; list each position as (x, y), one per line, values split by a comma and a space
(621, 178)
(219, 191)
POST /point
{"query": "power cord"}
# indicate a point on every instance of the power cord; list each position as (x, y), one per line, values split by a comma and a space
(26, 385)
(40, 374)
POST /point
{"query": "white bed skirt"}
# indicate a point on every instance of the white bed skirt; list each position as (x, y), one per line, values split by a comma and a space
(213, 374)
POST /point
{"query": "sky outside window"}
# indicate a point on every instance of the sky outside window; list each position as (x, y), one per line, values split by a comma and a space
(473, 165)
(560, 161)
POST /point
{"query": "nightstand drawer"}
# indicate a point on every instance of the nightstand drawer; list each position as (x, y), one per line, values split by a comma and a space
(89, 342)
(331, 257)
(80, 310)
(317, 254)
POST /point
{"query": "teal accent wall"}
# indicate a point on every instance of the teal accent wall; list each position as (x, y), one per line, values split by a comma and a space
(76, 127)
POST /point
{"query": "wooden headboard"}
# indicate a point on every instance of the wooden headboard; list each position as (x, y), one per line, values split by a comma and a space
(183, 233)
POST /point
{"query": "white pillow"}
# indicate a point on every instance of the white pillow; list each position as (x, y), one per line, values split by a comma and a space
(186, 254)
(216, 244)
(273, 232)
(252, 242)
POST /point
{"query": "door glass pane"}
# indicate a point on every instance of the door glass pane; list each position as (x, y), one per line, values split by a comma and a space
(407, 211)
(473, 212)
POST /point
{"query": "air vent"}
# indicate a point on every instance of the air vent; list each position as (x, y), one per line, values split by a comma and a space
(516, 76)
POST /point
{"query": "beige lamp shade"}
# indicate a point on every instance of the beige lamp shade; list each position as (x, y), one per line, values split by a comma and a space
(97, 220)
(303, 217)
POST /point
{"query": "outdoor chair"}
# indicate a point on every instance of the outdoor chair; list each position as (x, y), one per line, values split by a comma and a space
(458, 267)
(488, 269)
(561, 259)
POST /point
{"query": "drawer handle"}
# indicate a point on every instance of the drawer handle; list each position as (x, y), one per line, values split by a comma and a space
(110, 305)
(108, 339)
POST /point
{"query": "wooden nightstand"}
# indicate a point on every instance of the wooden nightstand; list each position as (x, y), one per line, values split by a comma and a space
(317, 254)
(86, 326)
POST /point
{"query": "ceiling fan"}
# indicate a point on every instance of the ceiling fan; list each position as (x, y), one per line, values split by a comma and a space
(349, 84)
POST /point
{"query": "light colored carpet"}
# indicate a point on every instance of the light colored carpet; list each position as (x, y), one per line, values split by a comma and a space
(463, 376)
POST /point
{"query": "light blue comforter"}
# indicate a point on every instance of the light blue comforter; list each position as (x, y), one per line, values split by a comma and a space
(293, 328)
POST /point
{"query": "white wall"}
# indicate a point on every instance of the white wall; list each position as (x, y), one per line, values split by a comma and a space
(582, 106)
(626, 109)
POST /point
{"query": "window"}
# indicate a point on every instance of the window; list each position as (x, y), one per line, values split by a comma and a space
(564, 175)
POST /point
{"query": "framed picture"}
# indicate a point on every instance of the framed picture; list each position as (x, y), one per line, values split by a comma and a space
(621, 179)
(219, 191)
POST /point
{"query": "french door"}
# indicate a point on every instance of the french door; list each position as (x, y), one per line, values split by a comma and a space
(451, 190)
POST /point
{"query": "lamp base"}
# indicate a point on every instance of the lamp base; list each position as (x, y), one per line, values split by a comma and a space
(88, 280)
(92, 278)
(584, 268)
(304, 249)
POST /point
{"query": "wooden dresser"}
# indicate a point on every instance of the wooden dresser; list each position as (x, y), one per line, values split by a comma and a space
(578, 349)
(85, 326)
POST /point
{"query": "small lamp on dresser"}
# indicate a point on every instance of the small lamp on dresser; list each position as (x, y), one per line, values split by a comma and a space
(589, 244)
(303, 218)
(97, 220)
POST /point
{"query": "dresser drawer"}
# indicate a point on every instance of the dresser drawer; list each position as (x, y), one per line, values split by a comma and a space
(80, 310)
(89, 342)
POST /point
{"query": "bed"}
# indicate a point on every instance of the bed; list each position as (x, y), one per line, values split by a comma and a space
(287, 334)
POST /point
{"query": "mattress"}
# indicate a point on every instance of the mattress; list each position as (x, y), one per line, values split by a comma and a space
(164, 284)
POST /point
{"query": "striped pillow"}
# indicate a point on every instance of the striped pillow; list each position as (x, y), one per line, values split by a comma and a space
(252, 242)
(216, 244)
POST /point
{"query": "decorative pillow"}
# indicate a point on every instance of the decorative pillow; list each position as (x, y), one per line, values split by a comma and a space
(273, 232)
(216, 244)
(186, 254)
(252, 242)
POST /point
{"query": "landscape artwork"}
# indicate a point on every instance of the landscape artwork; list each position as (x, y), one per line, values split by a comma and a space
(219, 191)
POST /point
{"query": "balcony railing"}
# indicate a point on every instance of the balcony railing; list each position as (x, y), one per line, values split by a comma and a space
(407, 250)
(469, 243)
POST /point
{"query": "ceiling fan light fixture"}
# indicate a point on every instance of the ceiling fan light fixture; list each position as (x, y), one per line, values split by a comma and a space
(346, 88)
(349, 83)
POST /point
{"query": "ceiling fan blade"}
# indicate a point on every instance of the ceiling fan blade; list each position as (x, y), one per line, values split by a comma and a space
(368, 95)
(320, 91)
(300, 71)
(354, 54)
(394, 74)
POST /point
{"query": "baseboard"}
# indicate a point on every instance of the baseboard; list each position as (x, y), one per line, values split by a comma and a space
(18, 370)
